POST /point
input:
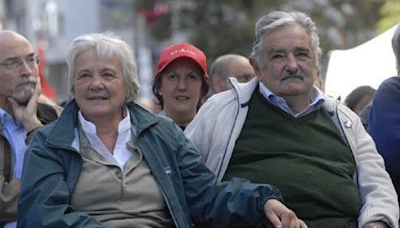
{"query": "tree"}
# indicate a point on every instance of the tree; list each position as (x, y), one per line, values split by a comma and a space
(227, 26)
(390, 12)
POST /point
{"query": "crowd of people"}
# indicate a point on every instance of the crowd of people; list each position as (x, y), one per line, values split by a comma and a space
(250, 142)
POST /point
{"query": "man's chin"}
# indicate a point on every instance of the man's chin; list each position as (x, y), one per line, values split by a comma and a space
(23, 99)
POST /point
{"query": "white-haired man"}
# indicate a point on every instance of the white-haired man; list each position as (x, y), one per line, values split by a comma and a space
(279, 128)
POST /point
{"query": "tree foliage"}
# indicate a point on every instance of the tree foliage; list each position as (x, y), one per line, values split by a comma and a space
(390, 12)
(227, 26)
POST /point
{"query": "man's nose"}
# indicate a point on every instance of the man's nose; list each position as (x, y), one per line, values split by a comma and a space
(291, 64)
(25, 69)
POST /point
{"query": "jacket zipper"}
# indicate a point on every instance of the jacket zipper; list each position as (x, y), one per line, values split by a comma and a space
(231, 132)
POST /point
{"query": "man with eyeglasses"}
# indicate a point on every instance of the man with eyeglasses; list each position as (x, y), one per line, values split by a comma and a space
(20, 116)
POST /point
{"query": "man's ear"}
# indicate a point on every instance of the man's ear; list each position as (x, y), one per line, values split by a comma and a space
(255, 65)
(216, 82)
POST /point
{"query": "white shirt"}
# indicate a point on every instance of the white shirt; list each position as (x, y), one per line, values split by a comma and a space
(121, 152)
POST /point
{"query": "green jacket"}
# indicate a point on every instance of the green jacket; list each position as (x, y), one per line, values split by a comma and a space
(9, 187)
(190, 190)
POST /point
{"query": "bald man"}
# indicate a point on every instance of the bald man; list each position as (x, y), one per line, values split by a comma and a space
(20, 116)
(230, 65)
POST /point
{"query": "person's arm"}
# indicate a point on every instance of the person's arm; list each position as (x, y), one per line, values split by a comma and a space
(384, 124)
(45, 194)
(237, 203)
(378, 196)
(200, 130)
(9, 192)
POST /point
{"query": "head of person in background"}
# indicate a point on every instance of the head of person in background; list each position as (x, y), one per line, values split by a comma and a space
(230, 65)
(181, 82)
(359, 98)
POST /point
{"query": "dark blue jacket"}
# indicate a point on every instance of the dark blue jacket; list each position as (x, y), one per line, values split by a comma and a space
(384, 126)
(53, 166)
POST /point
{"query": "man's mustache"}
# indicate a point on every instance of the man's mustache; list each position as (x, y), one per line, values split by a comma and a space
(25, 80)
(288, 74)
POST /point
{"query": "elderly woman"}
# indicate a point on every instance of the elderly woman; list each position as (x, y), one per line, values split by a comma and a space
(181, 82)
(107, 162)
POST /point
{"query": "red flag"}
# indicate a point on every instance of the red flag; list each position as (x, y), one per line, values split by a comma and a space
(47, 90)
(160, 9)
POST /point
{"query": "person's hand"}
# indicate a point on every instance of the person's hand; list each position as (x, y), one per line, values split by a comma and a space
(27, 115)
(376, 225)
(280, 216)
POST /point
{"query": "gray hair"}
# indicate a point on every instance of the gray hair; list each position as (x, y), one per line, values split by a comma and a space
(395, 46)
(278, 19)
(106, 45)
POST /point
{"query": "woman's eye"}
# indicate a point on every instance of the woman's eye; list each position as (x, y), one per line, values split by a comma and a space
(108, 75)
(194, 77)
(84, 75)
(172, 77)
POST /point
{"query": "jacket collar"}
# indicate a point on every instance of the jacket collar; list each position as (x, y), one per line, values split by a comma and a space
(245, 91)
(62, 134)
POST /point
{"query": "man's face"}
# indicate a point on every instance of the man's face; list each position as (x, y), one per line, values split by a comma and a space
(288, 67)
(17, 80)
(241, 69)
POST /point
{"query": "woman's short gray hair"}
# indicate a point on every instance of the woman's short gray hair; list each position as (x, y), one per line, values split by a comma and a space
(395, 46)
(278, 19)
(106, 45)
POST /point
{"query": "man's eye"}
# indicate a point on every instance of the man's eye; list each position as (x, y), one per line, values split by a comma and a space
(14, 64)
(30, 60)
(302, 54)
(277, 56)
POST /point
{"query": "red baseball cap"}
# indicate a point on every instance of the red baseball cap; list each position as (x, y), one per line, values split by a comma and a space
(181, 50)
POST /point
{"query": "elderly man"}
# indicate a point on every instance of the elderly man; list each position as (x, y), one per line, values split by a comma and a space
(230, 65)
(20, 116)
(280, 129)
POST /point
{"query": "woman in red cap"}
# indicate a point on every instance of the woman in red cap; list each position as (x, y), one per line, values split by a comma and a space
(181, 82)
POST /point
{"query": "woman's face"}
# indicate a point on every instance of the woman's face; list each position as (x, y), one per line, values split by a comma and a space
(99, 86)
(181, 87)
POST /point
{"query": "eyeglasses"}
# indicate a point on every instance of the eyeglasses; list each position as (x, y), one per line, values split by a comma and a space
(17, 63)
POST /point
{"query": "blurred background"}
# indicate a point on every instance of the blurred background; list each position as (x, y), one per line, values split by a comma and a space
(215, 26)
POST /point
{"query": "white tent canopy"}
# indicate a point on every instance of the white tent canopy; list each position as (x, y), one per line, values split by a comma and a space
(367, 64)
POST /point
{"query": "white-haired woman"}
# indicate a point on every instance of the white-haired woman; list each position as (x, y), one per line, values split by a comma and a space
(107, 162)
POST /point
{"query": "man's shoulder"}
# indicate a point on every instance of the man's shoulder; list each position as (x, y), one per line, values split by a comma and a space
(333, 105)
(47, 113)
(389, 87)
(222, 97)
(395, 80)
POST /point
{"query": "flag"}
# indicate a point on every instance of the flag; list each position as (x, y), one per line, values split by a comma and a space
(160, 9)
(47, 90)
